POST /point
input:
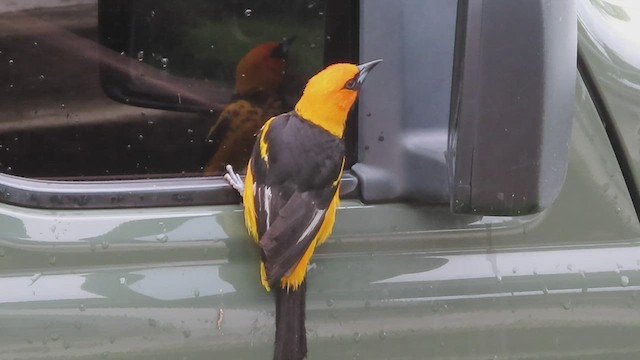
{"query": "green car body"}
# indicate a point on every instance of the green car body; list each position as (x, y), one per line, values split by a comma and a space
(394, 281)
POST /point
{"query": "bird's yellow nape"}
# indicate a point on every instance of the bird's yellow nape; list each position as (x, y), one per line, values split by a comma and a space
(326, 100)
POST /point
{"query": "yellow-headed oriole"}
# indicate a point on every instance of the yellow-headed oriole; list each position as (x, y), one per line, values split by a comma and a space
(291, 190)
(257, 97)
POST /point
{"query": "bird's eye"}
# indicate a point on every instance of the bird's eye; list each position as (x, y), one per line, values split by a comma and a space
(351, 84)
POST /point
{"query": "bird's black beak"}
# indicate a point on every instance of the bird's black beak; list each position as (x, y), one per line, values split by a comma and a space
(283, 49)
(364, 70)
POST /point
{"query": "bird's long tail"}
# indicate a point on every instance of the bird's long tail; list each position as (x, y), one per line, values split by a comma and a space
(291, 337)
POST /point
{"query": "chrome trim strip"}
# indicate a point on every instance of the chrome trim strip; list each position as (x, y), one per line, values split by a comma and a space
(117, 194)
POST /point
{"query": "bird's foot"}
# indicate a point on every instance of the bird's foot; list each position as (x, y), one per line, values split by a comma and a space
(234, 179)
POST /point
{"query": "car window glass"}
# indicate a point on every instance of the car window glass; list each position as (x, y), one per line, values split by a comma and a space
(82, 101)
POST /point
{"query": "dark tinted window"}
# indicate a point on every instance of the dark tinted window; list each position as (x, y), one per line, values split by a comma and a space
(136, 89)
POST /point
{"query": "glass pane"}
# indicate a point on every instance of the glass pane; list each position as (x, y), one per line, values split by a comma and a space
(141, 89)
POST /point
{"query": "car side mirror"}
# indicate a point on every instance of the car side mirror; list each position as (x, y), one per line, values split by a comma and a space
(512, 105)
(473, 105)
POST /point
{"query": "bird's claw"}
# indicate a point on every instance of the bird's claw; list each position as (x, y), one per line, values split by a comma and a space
(234, 179)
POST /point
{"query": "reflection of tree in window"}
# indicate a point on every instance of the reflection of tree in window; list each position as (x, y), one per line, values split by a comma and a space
(205, 39)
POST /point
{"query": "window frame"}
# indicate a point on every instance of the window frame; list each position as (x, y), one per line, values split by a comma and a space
(54, 194)
(120, 194)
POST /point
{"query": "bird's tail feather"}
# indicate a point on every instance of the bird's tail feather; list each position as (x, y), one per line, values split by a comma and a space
(291, 337)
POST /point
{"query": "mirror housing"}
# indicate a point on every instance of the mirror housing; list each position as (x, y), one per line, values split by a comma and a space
(472, 106)
(512, 105)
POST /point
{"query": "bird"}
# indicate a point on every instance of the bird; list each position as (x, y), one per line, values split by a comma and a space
(257, 97)
(291, 192)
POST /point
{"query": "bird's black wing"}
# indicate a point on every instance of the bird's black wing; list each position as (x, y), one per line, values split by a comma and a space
(294, 187)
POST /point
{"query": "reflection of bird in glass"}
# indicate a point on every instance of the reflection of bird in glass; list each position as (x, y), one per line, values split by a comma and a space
(258, 96)
(291, 192)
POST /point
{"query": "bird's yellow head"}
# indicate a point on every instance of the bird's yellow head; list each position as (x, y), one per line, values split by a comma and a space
(330, 94)
(262, 68)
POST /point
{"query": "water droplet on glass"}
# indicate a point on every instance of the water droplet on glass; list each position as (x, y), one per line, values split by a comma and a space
(140, 55)
(35, 43)
(190, 131)
(112, 339)
(140, 137)
(162, 238)
(567, 305)
(66, 345)
(52, 260)
(104, 245)
(570, 267)
(55, 337)
(82, 307)
(62, 106)
(186, 333)
(2, 252)
(312, 45)
(123, 280)
(196, 292)
(320, 13)
(545, 291)
(330, 302)
(514, 270)
(247, 12)
(41, 77)
(311, 4)
(164, 62)
(624, 280)
(153, 13)
(10, 61)
(92, 247)
(382, 334)
(152, 323)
